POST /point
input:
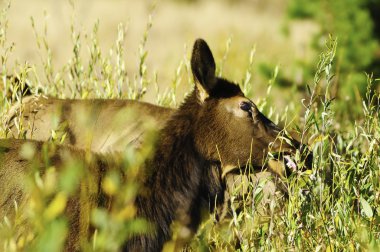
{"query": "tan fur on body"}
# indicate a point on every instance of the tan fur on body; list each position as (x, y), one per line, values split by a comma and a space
(98, 125)
(16, 170)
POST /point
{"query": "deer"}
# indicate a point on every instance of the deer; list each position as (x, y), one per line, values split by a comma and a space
(99, 125)
(216, 126)
(112, 125)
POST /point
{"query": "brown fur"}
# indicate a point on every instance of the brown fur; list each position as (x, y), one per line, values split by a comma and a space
(108, 125)
(209, 129)
(15, 170)
(98, 125)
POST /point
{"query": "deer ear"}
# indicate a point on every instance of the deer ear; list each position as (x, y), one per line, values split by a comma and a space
(203, 68)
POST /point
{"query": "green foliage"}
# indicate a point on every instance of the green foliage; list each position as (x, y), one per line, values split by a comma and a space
(302, 8)
(335, 206)
(353, 26)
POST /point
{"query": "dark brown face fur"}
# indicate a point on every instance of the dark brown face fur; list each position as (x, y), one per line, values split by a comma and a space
(229, 127)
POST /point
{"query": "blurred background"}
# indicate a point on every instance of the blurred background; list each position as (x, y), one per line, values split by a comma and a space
(272, 38)
(312, 66)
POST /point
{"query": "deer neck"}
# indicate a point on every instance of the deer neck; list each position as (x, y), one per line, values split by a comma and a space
(173, 182)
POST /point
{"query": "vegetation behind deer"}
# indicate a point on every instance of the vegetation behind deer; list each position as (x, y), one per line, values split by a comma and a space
(333, 206)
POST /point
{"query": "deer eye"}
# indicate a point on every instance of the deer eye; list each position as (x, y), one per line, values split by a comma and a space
(246, 106)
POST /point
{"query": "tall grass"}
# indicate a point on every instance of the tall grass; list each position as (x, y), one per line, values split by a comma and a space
(334, 206)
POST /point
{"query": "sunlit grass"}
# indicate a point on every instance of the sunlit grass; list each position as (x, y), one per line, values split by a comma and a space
(333, 207)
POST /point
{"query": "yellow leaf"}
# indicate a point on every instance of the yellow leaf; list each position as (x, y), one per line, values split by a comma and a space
(109, 186)
(169, 246)
(308, 172)
(27, 151)
(56, 207)
(127, 212)
(330, 248)
(53, 134)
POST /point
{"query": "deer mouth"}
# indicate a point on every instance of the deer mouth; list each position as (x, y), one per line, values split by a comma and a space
(285, 163)
(280, 163)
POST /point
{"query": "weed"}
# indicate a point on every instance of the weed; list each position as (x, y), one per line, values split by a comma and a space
(333, 206)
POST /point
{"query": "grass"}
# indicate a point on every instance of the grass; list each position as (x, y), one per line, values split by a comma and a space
(334, 206)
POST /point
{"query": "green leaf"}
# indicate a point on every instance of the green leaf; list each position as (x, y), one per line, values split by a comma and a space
(366, 208)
